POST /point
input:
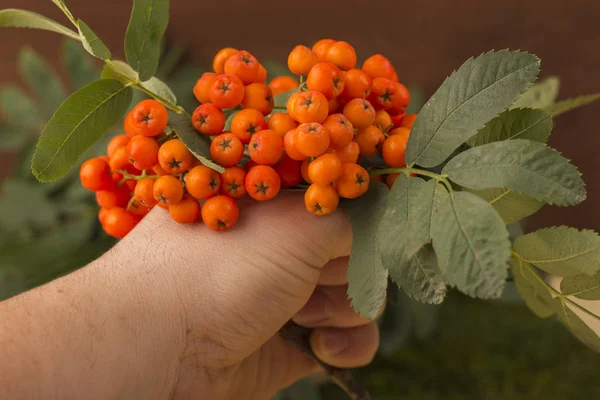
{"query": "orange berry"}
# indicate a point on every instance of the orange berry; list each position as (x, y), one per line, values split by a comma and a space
(138, 209)
(343, 55)
(115, 143)
(408, 121)
(281, 123)
(167, 190)
(233, 182)
(383, 92)
(348, 154)
(334, 105)
(118, 222)
(391, 179)
(357, 84)
(360, 113)
(203, 85)
(95, 175)
(301, 60)
(226, 150)
(311, 139)
(289, 144)
(243, 65)
(227, 91)
(117, 197)
(304, 171)
(354, 181)
(262, 183)
(220, 213)
(327, 79)
(144, 192)
(174, 157)
(401, 100)
(149, 118)
(321, 199)
(378, 66)
(158, 170)
(325, 170)
(393, 150)
(322, 48)
(202, 182)
(261, 77)
(258, 96)
(129, 125)
(282, 84)
(288, 171)
(120, 161)
(143, 152)
(221, 57)
(369, 140)
(208, 119)
(382, 120)
(102, 214)
(308, 106)
(187, 211)
(340, 130)
(400, 131)
(266, 147)
(246, 123)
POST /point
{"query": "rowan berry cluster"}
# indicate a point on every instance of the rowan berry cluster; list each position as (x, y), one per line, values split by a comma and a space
(337, 115)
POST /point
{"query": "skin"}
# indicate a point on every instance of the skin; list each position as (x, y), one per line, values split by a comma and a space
(180, 312)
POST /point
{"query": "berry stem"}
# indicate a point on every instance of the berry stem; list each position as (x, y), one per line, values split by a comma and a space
(130, 177)
(300, 337)
(279, 108)
(408, 170)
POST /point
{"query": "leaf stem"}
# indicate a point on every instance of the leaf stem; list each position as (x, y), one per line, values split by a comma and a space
(408, 170)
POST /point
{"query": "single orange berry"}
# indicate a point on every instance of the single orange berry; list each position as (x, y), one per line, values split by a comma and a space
(258, 96)
(393, 150)
(246, 123)
(335, 105)
(340, 130)
(308, 106)
(304, 170)
(143, 152)
(400, 131)
(378, 66)
(144, 192)
(343, 55)
(301, 60)
(158, 170)
(167, 190)
(95, 175)
(174, 157)
(208, 119)
(327, 79)
(115, 143)
(149, 118)
(202, 182)
(187, 211)
(281, 123)
(220, 213)
(227, 91)
(288, 171)
(382, 120)
(360, 113)
(262, 183)
(322, 48)
(383, 92)
(325, 169)
(370, 140)
(282, 84)
(321, 199)
(203, 85)
(357, 84)
(226, 150)
(311, 139)
(408, 121)
(348, 154)
(117, 197)
(221, 57)
(129, 125)
(391, 179)
(118, 222)
(138, 209)
(261, 77)
(266, 147)
(243, 65)
(289, 144)
(233, 182)
(120, 161)
(102, 214)
(354, 181)
(401, 100)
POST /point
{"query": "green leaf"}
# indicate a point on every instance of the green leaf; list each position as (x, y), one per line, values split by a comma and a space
(147, 25)
(581, 286)
(91, 42)
(42, 78)
(472, 246)
(576, 325)
(14, 18)
(519, 123)
(570, 104)
(282, 98)
(366, 274)
(15, 104)
(532, 290)
(194, 141)
(79, 65)
(13, 138)
(521, 165)
(561, 251)
(480, 89)
(21, 198)
(124, 73)
(511, 206)
(539, 95)
(160, 88)
(77, 124)
(409, 208)
(276, 68)
(417, 100)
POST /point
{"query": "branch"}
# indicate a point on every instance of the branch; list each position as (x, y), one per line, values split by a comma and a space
(300, 337)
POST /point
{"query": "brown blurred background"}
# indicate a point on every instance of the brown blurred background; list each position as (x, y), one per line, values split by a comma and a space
(426, 40)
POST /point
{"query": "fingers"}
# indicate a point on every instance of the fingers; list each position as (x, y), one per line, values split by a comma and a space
(346, 348)
(329, 306)
(335, 272)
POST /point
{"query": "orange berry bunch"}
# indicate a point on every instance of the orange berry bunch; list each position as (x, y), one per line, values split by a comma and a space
(337, 116)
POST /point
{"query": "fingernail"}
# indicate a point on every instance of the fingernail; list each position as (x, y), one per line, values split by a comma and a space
(333, 343)
(315, 310)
